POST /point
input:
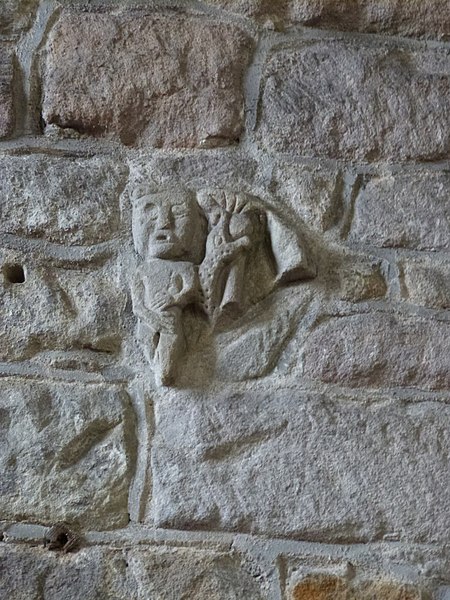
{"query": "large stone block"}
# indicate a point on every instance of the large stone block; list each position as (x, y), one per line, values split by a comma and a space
(137, 573)
(415, 18)
(164, 81)
(62, 200)
(7, 113)
(280, 463)
(67, 453)
(405, 210)
(395, 105)
(49, 308)
(379, 351)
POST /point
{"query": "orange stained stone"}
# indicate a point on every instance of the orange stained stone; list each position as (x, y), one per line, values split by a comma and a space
(331, 587)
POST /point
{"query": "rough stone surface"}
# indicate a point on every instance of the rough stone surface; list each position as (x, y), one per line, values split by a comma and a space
(16, 15)
(415, 18)
(315, 195)
(134, 574)
(65, 201)
(404, 211)
(378, 350)
(224, 299)
(267, 12)
(7, 113)
(76, 310)
(353, 276)
(330, 587)
(217, 461)
(313, 108)
(426, 282)
(362, 279)
(67, 452)
(164, 81)
(207, 169)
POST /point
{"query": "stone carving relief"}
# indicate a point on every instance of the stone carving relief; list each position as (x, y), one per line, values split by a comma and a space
(205, 257)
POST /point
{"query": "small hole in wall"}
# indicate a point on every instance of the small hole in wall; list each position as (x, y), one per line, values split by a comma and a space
(14, 273)
(62, 539)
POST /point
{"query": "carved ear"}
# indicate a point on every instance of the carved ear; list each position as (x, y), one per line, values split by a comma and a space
(289, 251)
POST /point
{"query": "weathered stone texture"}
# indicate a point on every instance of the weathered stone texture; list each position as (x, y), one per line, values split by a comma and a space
(415, 18)
(266, 11)
(61, 200)
(67, 453)
(330, 587)
(59, 309)
(406, 210)
(225, 295)
(287, 464)
(314, 194)
(16, 15)
(426, 283)
(394, 105)
(361, 279)
(164, 81)
(7, 113)
(379, 350)
(135, 574)
(206, 169)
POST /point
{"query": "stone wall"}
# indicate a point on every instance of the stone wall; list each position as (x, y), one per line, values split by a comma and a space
(225, 291)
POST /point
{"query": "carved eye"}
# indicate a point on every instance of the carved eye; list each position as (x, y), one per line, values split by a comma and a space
(151, 211)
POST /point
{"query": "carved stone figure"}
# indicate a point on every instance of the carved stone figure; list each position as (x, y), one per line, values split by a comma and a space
(236, 229)
(169, 234)
(219, 252)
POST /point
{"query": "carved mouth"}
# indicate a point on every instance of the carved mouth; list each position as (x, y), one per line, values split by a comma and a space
(163, 237)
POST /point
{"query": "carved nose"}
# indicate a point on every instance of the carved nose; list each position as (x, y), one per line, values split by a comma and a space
(164, 219)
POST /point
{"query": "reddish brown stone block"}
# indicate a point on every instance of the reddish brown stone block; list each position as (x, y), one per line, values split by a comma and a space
(161, 81)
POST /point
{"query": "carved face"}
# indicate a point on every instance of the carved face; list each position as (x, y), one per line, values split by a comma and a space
(168, 225)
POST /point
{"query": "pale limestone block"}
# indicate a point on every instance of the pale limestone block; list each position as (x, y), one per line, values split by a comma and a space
(342, 100)
(73, 201)
(379, 351)
(404, 211)
(67, 453)
(284, 463)
(48, 308)
(132, 573)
